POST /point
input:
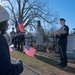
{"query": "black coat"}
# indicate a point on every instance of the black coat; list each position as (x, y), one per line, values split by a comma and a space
(6, 67)
(63, 37)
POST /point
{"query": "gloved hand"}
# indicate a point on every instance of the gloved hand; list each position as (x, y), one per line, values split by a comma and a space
(18, 67)
(20, 61)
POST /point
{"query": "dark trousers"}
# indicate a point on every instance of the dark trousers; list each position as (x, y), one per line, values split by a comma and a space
(63, 54)
(12, 41)
(20, 46)
(15, 44)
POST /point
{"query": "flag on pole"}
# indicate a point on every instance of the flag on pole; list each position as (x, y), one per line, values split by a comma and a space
(11, 48)
(30, 51)
(20, 26)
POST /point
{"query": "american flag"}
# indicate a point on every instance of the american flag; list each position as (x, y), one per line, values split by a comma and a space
(47, 50)
(11, 48)
(30, 51)
(19, 26)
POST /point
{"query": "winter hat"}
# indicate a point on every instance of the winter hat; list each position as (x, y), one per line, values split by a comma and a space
(4, 15)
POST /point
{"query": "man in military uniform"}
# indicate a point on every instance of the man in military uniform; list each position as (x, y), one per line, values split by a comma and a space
(12, 33)
(21, 39)
(63, 42)
(15, 40)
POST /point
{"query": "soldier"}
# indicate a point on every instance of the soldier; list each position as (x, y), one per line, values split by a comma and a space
(21, 40)
(12, 33)
(15, 40)
(63, 42)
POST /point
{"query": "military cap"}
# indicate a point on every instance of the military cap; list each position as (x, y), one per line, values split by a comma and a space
(62, 19)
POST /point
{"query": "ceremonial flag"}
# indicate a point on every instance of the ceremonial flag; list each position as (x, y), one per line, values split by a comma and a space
(20, 26)
(11, 48)
(30, 51)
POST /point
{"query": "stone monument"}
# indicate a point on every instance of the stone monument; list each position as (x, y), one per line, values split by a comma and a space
(71, 46)
(39, 36)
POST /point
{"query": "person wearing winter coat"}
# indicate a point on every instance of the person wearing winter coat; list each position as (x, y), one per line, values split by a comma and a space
(6, 67)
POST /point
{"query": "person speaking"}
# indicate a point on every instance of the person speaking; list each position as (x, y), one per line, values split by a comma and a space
(62, 35)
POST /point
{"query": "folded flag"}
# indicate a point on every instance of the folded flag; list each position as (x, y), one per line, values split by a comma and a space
(30, 51)
(11, 48)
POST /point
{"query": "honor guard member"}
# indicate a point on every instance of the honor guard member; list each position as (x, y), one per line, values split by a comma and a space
(16, 40)
(12, 34)
(63, 42)
(6, 67)
(22, 41)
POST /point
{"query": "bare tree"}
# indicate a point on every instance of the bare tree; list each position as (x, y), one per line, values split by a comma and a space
(29, 11)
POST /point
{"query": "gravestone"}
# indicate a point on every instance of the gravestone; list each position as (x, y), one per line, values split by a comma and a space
(71, 46)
